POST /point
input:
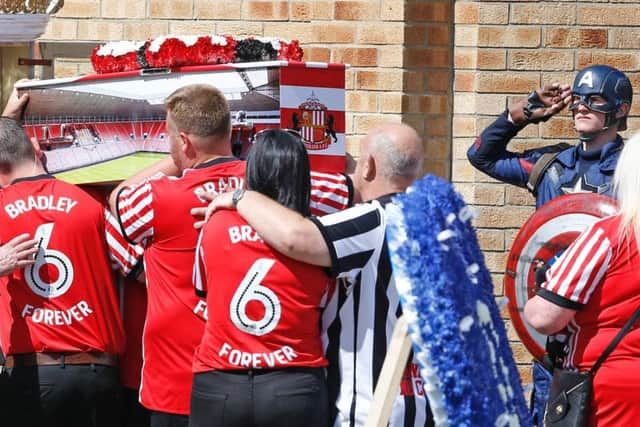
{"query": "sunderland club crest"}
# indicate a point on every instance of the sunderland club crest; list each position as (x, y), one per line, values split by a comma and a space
(542, 238)
(315, 124)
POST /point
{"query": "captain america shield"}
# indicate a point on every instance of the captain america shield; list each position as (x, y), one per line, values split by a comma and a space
(545, 235)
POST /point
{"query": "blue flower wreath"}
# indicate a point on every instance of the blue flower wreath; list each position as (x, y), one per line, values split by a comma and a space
(447, 299)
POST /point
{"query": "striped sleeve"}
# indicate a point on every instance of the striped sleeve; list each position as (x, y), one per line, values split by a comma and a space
(124, 256)
(199, 277)
(576, 275)
(135, 213)
(330, 193)
(352, 236)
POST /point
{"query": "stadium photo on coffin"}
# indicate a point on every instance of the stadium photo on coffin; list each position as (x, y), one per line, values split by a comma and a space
(99, 129)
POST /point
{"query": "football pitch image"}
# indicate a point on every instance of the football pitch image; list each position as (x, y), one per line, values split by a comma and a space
(111, 170)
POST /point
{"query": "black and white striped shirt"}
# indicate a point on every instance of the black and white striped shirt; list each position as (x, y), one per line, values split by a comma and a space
(360, 318)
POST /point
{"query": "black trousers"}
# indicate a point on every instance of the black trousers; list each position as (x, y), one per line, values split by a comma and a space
(293, 397)
(133, 413)
(62, 396)
(164, 419)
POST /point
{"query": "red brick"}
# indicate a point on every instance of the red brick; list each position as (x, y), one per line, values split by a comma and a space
(491, 240)
(577, 37)
(439, 168)
(392, 10)
(381, 33)
(502, 217)
(437, 148)
(140, 30)
(466, 13)
(254, 10)
(465, 81)
(427, 57)
(518, 37)
(301, 31)
(506, 82)
(414, 81)
(356, 11)
(624, 38)
(129, 9)
(300, 11)
(465, 58)
(361, 101)
(428, 12)
(390, 102)
(356, 56)
(320, 10)
(174, 9)
(100, 30)
(534, 13)
(434, 104)
(621, 61)
(317, 54)
(491, 59)
(463, 126)
(61, 29)
(415, 34)
(494, 13)
(333, 33)
(438, 35)
(560, 127)
(608, 15)
(540, 59)
(189, 27)
(217, 9)
(437, 126)
(518, 196)
(379, 79)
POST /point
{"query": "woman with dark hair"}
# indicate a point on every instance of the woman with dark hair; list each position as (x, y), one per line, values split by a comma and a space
(260, 361)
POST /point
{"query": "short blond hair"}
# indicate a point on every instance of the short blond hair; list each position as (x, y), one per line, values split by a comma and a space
(201, 110)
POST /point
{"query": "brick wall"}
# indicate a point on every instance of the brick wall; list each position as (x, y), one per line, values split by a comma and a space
(503, 50)
(447, 68)
(400, 51)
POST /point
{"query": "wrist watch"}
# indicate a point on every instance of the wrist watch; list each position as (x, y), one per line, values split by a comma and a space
(237, 196)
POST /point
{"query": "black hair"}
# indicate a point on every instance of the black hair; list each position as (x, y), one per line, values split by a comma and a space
(278, 167)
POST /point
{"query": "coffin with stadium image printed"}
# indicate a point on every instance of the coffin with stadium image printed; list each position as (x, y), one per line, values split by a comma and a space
(104, 128)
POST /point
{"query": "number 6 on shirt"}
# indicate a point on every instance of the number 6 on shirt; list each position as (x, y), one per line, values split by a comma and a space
(42, 286)
(251, 289)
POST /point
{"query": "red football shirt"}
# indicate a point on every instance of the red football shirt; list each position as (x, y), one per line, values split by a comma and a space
(157, 214)
(599, 276)
(67, 301)
(263, 307)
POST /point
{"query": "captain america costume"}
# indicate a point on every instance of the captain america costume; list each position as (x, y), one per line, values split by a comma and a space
(489, 154)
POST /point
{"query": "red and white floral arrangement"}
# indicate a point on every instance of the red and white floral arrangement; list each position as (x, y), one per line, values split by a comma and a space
(177, 51)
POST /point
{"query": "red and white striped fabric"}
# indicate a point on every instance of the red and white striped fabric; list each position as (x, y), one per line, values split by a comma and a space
(580, 269)
(330, 193)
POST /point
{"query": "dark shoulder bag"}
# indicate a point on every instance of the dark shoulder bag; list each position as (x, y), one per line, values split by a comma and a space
(570, 392)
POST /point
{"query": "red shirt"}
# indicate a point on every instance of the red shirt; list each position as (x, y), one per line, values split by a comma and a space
(264, 308)
(67, 301)
(157, 214)
(599, 276)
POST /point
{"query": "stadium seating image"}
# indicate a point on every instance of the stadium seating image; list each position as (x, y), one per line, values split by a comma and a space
(73, 145)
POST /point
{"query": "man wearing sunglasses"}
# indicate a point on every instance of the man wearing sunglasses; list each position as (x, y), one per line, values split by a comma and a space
(599, 100)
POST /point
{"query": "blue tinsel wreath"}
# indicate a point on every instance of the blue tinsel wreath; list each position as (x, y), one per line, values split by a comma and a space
(447, 298)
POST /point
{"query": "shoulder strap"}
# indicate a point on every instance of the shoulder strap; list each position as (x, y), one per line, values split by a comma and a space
(542, 164)
(616, 340)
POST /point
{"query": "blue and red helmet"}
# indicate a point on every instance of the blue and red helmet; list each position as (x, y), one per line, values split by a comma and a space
(607, 82)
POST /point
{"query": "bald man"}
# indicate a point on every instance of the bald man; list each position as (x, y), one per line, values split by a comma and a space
(351, 243)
